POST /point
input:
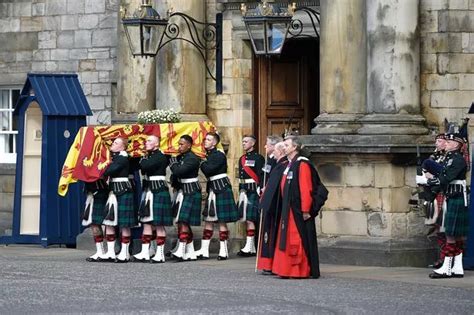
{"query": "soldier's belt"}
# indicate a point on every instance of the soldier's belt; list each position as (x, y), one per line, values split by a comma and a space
(119, 179)
(247, 181)
(156, 177)
(458, 182)
(188, 180)
(218, 176)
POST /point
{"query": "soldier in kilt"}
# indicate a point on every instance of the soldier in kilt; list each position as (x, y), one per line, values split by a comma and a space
(93, 215)
(250, 177)
(452, 181)
(220, 207)
(155, 207)
(187, 204)
(120, 210)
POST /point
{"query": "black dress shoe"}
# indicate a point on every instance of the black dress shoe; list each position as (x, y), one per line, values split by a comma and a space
(201, 257)
(244, 254)
(435, 275)
(267, 272)
(90, 259)
(221, 258)
(119, 261)
(156, 262)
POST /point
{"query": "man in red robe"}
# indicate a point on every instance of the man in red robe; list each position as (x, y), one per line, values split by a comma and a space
(296, 251)
(270, 203)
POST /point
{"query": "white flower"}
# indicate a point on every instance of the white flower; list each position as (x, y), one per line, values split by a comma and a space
(159, 116)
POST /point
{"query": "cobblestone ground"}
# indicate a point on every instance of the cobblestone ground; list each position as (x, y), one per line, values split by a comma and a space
(58, 280)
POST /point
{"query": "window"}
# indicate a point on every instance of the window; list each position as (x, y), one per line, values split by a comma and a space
(8, 129)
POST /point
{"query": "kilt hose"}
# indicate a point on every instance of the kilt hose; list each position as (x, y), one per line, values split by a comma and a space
(126, 210)
(190, 210)
(226, 208)
(162, 213)
(456, 221)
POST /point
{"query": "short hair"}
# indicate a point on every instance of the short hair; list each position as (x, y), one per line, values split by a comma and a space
(274, 139)
(154, 136)
(187, 138)
(250, 136)
(296, 141)
(124, 141)
(215, 136)
(280, 146)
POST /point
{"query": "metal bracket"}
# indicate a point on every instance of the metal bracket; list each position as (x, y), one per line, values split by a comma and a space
(203, 36)
(297, 26)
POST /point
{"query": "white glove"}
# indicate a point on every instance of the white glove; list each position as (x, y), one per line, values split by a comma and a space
(421, 180)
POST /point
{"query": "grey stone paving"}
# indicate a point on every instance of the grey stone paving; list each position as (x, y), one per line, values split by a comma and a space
(58, 280)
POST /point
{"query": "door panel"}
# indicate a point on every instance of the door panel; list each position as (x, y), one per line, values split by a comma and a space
(286, 89)
(284, 80)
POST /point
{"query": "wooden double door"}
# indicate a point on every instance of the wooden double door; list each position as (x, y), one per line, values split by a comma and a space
(286, 90)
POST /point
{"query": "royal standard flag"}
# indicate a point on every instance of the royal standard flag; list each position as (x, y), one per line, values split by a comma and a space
(89, 154)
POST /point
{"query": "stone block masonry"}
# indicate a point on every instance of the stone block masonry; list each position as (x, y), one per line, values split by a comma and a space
(447, 59)
(77, 36)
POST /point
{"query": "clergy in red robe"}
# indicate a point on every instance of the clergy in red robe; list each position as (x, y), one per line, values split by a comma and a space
(270, 203)
(296, 252)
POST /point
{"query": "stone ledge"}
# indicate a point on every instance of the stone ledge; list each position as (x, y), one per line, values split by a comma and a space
(368, 143)
(7, 169)
(383, 252)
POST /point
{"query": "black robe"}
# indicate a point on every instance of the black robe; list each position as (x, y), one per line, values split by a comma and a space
(292, 201)
(270, 204)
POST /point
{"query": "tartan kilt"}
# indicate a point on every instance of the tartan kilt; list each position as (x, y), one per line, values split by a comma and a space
(100, 199)
(190, 211)
(252, 206)
(126, 210)
(162, 213)
(225, 206)
(456, 221)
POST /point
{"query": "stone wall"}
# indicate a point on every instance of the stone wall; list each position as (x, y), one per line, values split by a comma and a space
(232, 110)
(77, 36)
(447, 58)
(369, 197)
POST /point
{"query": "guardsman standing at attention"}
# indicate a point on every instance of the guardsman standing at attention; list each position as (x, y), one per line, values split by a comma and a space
(155, 209)
(120, 205)
(187, 204)
(220, 207)
(250, 178)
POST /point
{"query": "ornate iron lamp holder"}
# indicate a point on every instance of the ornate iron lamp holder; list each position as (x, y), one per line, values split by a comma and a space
(147, 33)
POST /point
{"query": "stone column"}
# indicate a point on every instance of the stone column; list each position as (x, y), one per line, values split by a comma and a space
(343, 56)
(393, 58)
(136, 82)
(343, 60)
(181, 72)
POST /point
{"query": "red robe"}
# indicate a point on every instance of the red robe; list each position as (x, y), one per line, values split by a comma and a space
(293, 262)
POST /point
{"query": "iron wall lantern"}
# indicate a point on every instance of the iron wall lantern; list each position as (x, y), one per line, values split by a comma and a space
(147, 33)
(270, 25)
